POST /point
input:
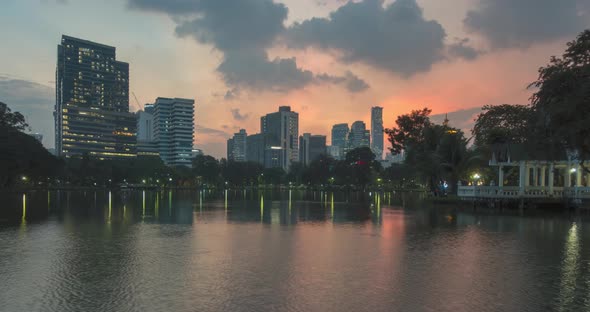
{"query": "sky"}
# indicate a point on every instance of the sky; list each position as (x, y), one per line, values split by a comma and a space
(330, 60)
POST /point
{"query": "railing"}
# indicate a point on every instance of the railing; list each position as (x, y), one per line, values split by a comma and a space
(577, 192)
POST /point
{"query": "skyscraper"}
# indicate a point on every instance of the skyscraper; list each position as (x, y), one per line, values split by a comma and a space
(92, 102)
(174, 130)
(282, 129)
(311, 147)
(340, 135)
(377, 131)
(359, 135)
(237, 150)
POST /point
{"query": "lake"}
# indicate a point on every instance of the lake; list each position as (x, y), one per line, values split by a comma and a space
(283, 251)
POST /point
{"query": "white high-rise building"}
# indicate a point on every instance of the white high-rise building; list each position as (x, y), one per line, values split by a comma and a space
(174, 130)
(377, 131)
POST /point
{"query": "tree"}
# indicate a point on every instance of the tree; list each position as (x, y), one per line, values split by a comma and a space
(561, 104)
(207, 168)
(436, 152)
(10, 120)
(502, 124)
(21, 155)
(409, 130)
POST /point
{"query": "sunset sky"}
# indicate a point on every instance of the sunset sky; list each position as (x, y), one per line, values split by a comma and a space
(330, 60)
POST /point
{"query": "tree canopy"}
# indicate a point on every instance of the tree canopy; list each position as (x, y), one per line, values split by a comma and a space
(561, 103)
(503, 123)
(10, 120)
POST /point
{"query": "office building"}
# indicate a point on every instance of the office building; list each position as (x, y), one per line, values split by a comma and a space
(174, 130)
(311, 147)
(230, 149)
(359, 136)
(236, 146)
(335, 152)
(145, 124)
(273, 157)
(377, 131)
(340, 135)
(282, 129)
(256, 147)
(92, 102)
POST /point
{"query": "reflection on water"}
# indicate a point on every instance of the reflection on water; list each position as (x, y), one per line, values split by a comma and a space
(238, 250)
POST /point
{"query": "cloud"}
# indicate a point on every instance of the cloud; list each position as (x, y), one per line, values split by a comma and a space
(352, 82)
(396, 37)
(231, 94)
(242, 30)
(510, 24)
(35, 101)
(235, 112)
(210, 131)
(461, 49)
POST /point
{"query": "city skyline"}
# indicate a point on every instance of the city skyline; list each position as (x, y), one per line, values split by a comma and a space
(202, 65)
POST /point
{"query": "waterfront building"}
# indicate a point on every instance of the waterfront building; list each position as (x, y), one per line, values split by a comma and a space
(282, 129)
(377, 131)
(335, 152)
(340, 135)
(256, 146)
(145, 124)
(359, 136)
(236, 146)
(311, 147)
(92, 102)
(174, 130)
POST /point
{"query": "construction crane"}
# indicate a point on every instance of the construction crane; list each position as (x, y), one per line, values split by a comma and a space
(136, 101)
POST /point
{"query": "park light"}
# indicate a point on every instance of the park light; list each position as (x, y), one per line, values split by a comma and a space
(379, 180)
(158, 181)
(476, 176)
(170, 179)
(143, 181)
(24, 178)
(573, 170)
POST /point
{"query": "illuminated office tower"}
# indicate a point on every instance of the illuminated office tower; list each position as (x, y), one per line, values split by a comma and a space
(92, 102)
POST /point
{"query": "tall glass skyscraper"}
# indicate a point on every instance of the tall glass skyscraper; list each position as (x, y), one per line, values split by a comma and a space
(340, 135)
(377, 131)
(92, 102)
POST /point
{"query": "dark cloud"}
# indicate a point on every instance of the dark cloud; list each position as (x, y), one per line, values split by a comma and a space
(35, 101)
(461, 49)
(242, 30)
(174, 7)
(252, 69)
(351, 81)
(231, 94)
(237, 115)
(211, 131)
(510, 23)
(396, 37)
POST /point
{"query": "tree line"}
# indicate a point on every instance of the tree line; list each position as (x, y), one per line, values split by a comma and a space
(437, 156)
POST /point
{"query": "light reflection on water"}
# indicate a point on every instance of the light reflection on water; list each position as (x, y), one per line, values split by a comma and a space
(282, 251)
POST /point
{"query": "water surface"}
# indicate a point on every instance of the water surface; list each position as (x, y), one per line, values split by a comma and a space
(283, 251)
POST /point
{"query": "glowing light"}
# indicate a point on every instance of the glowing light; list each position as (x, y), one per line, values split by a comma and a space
(476, 176)
(24, 217)
(573, 170)
(110, 206)
(261, 207)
